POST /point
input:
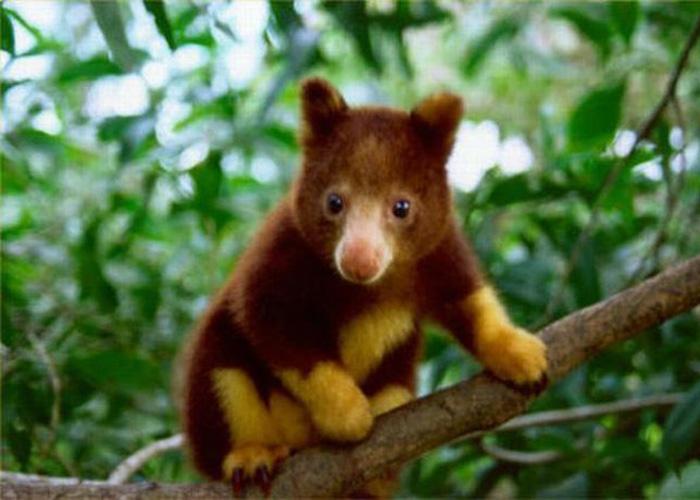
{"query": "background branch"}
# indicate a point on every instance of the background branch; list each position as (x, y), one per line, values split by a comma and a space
(608, 183)
(475, 405)
(556, 417)
(521, 457)
(135, 461)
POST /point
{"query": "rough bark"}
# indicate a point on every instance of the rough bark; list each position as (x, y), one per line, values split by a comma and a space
(475, 405)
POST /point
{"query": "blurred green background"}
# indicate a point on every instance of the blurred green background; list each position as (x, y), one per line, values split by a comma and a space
(143, 142)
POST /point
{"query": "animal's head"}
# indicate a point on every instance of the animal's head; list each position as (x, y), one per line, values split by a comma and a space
(372, 194)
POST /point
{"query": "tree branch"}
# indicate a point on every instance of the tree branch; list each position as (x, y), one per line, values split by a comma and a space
(130, 465)
(475, 405)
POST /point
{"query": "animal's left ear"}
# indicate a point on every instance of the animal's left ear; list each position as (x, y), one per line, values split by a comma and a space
(436, 118)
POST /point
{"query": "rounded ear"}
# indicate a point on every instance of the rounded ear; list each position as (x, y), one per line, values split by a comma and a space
(436, 118)
(321, 107)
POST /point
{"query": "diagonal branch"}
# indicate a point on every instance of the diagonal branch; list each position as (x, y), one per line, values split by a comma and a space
(475, 405)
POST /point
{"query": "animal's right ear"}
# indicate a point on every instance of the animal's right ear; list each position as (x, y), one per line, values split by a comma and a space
(321, 107)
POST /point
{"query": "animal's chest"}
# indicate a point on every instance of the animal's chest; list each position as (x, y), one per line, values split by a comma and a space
(369, 336)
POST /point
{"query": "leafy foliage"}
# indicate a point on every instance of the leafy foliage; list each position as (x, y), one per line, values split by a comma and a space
(136, 167)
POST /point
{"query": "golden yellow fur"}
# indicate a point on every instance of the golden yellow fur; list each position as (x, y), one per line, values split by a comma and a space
(292, 419)
(339, 409)
(246, 414)
(390, 397)
(365, 341)
(511, 353)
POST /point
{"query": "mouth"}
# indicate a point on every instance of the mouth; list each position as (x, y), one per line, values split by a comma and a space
(359, 279)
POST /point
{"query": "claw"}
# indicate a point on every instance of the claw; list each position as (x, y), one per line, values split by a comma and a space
(263, 478)
(237, 481)
(528, 389)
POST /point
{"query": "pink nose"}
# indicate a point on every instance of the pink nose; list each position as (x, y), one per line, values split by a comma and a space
(360, 261)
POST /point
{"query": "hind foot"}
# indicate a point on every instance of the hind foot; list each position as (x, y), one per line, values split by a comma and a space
(253, 463)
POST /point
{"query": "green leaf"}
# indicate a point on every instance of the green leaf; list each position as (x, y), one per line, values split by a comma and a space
(223, 108)
(591, 21)
(148, 295)
(8, 33)
(115, 371)
(522, 187)
(585, 279)
(502, 30)
(682, 428)
(20, 441)
(280, 134)
(625, 15)
(93, 283)
(285, 16)
(596, 117)
(90, 69)
(157, 9)
(683, 487)
(35, 32)
(134, 133)
(184, 19)
(109, 20)
(575, 486)
(183, 24)
(352, 18)
(207, 180)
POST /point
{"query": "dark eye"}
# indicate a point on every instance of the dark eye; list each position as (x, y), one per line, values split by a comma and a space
(335, 203)
(401, 208)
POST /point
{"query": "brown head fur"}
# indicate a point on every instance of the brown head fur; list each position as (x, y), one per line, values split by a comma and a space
(374, 155)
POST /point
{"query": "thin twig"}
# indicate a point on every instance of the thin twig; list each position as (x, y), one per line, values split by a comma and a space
(48, 448)
(556, 417)
(673, 192)
(521, 457)
(134, 462)
(54, 380)
(609, 182)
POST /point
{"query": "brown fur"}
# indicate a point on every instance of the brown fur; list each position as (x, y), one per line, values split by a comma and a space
(280, 316)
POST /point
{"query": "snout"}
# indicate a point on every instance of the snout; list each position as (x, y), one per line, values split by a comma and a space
(363, 252)
(361, 261)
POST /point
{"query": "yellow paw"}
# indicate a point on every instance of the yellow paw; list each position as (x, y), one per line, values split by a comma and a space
(390, 397)
(249, 458)
(292, 419)
(252, 463)
(339, 409)
(343, 416)
(514, 355)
